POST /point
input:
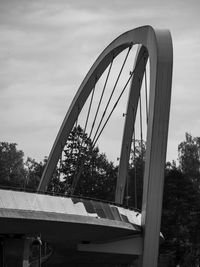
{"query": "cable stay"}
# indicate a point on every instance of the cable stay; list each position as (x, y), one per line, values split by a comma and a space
(141, 142)
(135, 170)
(60, 166)
(141, 130)
(80, 161)
(102, 94)
(94, 141)
(87, 118)
(99, 129)
(77, 177)
(111, 94)
(73, 138)
(90, 105)
(145, 77)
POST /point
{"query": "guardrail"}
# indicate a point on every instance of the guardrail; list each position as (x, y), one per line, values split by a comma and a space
(56, 194)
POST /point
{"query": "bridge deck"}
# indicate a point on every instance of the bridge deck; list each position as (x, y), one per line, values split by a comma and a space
(67, 223)
(54, 217)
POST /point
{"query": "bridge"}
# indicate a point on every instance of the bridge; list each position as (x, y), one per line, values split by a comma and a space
(41, 229)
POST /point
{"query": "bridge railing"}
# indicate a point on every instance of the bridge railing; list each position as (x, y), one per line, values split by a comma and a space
(56, 194)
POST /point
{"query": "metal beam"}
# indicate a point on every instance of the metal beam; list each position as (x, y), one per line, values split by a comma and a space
(130, 245)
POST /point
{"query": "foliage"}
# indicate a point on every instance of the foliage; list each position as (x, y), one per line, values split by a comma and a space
(189, 157)
(135, 175)
(181, 201)
(12, 172)
(85, 171)
(34, 172)
(179, 217)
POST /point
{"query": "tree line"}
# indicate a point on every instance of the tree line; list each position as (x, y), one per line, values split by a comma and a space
(84, 171)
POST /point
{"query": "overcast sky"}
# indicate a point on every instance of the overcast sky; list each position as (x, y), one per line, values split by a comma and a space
(47, 47)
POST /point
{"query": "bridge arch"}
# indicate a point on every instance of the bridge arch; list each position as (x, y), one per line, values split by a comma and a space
(150, 39)
(157, 45)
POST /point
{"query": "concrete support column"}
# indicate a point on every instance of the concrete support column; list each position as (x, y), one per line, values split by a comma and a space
(26, 252)
(16, 252)
(2, 253)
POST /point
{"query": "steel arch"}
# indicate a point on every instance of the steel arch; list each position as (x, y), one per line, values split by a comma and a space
(146, 36)
(159, 46)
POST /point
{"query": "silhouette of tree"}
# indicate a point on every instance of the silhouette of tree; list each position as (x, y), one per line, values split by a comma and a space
(189, 157)
(84, 170)
(180, 219)
(12, 172)
(135, 175)
(34, 172)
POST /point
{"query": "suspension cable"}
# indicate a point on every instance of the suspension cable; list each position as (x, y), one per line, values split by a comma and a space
(80, 160)
(77, 177)
(78, 111)
(87, 118)
(94, 141)
(75, 181)
(90, 105)
(73, 137)
(102, 94)
(79, 167)
(75, 129)
(141, 132)
(127, 184)
(60, 164)
(145, 77)
(112, 93)
(135, 170)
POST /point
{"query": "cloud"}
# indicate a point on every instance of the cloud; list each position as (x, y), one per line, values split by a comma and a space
(47, 47)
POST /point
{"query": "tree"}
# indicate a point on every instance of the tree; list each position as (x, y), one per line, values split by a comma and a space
(189, 157)
(85, 171)
(12, 172)
(180, 223)
(34, 172)
(134, 186)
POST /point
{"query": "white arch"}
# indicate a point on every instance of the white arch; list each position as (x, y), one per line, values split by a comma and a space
(159, 46)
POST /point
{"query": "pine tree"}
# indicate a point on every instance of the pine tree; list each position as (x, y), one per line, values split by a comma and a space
(84, 170)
